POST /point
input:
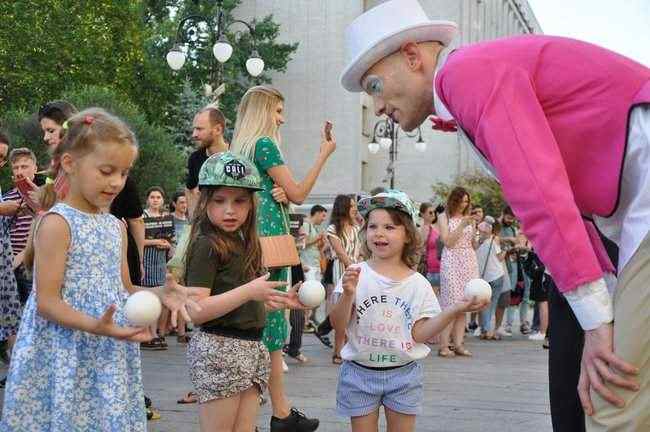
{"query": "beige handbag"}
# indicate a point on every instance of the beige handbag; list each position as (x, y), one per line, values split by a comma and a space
(280, 250)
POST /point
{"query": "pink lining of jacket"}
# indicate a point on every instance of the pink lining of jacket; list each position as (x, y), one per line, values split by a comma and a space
(550, 114)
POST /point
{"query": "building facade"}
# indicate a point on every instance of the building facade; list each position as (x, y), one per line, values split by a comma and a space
(313, 94)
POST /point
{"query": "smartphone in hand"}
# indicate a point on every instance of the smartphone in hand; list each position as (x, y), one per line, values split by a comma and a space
(328, 130)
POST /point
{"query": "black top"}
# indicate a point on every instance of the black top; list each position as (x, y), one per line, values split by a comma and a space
(127, 205)
(194, 164)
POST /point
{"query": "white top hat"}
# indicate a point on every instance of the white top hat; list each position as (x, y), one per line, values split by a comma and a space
(382, 30)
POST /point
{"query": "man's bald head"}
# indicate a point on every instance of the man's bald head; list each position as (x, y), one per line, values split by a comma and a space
(401, 84)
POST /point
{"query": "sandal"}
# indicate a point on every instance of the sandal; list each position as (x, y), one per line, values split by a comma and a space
(183, 339)
(189, 398)
(336, 359)
(463, 352)
(446, 353)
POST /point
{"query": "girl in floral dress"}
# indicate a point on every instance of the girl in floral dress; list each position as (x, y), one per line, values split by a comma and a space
(76, 363)
(458, 265)
(259, 117)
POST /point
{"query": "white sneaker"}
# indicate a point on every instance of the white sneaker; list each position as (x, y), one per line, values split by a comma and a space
(537, 336)
(285, 368)
(504, 332)
(477, 332)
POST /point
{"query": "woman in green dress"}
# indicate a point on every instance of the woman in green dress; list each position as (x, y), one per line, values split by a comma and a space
(259, 117)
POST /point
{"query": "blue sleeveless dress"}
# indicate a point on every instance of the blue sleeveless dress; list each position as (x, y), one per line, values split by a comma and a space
(68, 380)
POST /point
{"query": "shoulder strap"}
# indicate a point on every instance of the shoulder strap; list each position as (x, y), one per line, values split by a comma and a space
(488, 257)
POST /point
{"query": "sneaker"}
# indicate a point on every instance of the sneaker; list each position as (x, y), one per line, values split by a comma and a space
(294, 422)
(537, 337)
(473, 325)
(524, 329)
(309, 327)
(285, 368)
(477, 332)
(504, 332)
(508, 329)
(324, 340)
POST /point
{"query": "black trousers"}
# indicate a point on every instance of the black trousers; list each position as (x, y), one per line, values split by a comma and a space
(296, 317)
(566, 340)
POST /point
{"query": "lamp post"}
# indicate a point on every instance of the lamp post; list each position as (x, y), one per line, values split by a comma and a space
(221, 50)
(385, 136)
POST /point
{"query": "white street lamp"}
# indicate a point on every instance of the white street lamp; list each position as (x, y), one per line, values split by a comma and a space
(373, 147)
(255, 65)
(222, 50)
(176, 58)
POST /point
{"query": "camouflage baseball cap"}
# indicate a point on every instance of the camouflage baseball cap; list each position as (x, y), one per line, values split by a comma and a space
(391, 199)
(231, 170)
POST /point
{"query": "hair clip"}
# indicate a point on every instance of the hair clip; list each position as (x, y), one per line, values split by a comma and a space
(89, 119)
(65, 125)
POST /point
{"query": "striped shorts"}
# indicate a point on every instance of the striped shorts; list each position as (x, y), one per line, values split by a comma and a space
(361, 391)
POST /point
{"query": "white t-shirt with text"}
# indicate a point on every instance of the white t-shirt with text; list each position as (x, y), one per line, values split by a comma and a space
(385, 311)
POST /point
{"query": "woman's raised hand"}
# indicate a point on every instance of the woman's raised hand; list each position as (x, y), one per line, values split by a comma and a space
(328, 141)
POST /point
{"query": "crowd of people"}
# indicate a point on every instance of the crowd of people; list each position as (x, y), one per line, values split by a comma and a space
(162, 240)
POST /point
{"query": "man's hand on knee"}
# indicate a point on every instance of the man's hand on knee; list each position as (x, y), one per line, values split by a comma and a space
(600, 366)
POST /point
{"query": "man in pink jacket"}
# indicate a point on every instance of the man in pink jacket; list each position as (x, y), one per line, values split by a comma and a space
(565, 127)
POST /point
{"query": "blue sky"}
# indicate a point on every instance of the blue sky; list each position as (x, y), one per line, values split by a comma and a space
(622, 26)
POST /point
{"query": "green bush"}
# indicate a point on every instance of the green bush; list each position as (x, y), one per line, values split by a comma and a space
(160, 162)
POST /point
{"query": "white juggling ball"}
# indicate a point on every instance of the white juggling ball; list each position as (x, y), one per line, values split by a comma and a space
(142, 308)
(479, 288)
(312, 293)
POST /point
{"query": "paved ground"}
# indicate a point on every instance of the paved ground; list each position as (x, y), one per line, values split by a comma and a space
(503, 388)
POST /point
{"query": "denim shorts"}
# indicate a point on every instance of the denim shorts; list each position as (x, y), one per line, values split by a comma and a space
(361, 391)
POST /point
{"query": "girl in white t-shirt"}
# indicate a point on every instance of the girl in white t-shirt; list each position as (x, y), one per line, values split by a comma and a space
(388, 311)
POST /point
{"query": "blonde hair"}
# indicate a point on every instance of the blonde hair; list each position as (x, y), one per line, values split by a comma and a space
(255, 119)
(84, 132)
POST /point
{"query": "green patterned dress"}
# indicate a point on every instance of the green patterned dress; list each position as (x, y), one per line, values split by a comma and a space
(269, 223)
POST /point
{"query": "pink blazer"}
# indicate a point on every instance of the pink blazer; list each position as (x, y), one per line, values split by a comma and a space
(550, 114)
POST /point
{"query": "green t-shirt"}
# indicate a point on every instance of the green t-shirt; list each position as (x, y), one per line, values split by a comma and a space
(204, 271)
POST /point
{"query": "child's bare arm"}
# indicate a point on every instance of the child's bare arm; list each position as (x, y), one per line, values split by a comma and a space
(51, 243)
(342, 312)
(425, 328)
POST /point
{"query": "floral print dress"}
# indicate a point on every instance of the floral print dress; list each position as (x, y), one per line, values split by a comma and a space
(9, 302)
(458, 265)
(270, 222)
(61, 379)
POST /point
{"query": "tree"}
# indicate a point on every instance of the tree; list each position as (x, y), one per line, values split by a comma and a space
(49, 46)
(182, 116)
(484, 191)
(53, 46)
(160, 162)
